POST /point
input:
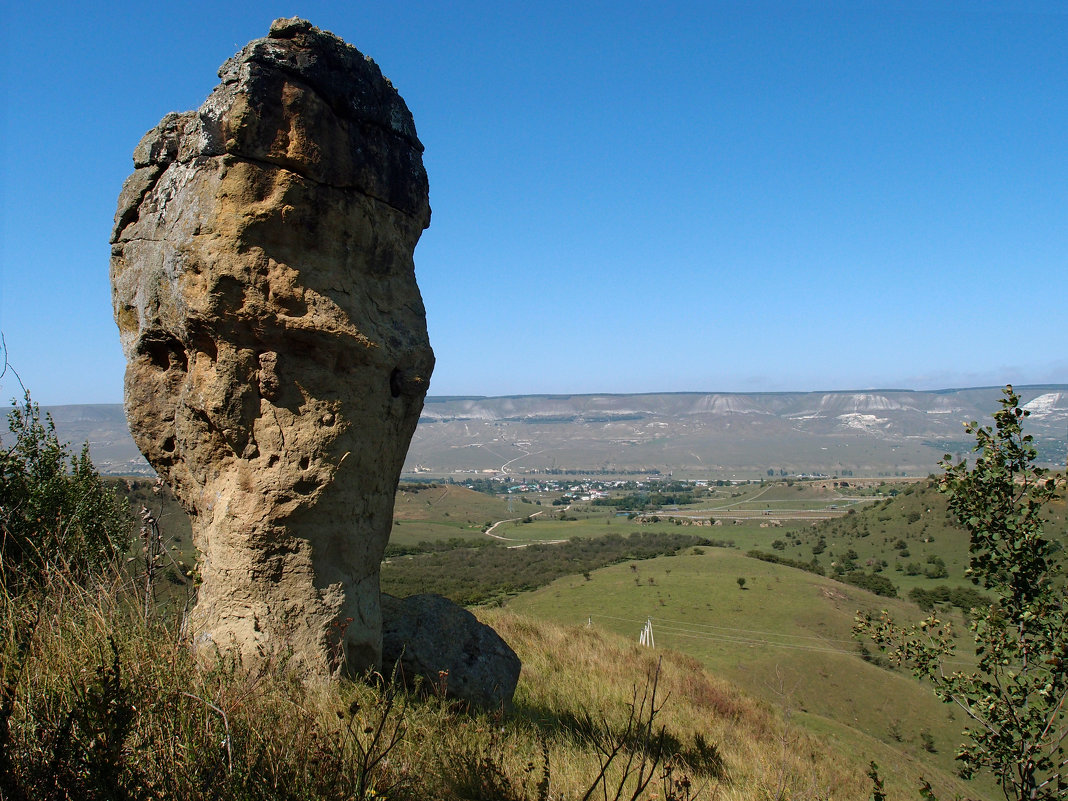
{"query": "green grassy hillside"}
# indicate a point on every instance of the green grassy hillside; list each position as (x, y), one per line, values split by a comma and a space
(107, 704)
(785, 638)
(434, 512)
(782, 642)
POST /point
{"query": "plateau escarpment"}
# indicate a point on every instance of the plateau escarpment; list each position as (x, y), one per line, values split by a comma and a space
(872, 432)
(869, 433)
(276, 343)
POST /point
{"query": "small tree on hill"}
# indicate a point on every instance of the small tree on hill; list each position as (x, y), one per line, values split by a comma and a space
(1016, 696)
(55, 510)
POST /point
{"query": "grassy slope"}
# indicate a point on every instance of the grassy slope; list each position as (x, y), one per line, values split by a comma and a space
(861, 708)
(284, 737)
(569, 668)
(441, 511)
(785, 639)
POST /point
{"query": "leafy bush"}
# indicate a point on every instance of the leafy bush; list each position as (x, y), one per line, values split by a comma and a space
(937, 568)
(1016, 695)
(55, 510)
(872, 582)
(965, 598)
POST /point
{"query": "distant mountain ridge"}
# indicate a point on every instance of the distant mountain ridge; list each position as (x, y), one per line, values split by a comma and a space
(868, 432)
(798, 404)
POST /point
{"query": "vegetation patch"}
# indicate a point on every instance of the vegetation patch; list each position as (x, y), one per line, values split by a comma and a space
(809, 567)
(1015, 697)
(55, 510)
(872, 582)
(473, 576)
(963, 598)
(436, 546)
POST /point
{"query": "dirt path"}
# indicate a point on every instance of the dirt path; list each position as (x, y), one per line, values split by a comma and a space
(489, 533)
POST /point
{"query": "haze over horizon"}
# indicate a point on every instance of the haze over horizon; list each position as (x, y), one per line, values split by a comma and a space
(692, 197)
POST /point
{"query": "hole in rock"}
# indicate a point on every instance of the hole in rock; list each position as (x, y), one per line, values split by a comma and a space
(396, 382)
(164, 352)
(203, 343)
(305, 487)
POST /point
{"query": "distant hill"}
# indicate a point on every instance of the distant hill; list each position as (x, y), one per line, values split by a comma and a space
(870, 432)
(103, 426)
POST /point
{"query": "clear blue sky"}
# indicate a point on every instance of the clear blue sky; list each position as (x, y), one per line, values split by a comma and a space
(628, 196)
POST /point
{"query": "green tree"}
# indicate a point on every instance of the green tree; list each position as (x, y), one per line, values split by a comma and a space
(55, 510)
(1015, 699)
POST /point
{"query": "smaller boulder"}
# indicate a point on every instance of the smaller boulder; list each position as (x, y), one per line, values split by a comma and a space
(435, 639)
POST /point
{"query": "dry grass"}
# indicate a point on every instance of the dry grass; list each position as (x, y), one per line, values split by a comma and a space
(733, 746)
(106, 704)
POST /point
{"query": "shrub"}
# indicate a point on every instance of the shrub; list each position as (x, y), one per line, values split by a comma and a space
(937, 568)
(880, 585)
(810, 567)
(1016, 694)
(964, 598)
(55, 510)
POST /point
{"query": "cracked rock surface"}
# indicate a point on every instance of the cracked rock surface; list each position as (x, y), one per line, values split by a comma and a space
(275, 338)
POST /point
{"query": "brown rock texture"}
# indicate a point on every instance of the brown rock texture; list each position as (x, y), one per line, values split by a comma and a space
(276, 343)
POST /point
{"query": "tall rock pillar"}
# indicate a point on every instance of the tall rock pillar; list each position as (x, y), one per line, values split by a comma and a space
(276, 342)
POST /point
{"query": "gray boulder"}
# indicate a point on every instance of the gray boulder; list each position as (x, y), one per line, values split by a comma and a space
(435, 639)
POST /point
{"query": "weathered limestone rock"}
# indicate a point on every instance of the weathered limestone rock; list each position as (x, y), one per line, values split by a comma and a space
(276, 343)
(444, 644)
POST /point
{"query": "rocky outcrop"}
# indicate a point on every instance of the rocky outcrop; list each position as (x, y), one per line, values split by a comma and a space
(431, 638)
(276, 343)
